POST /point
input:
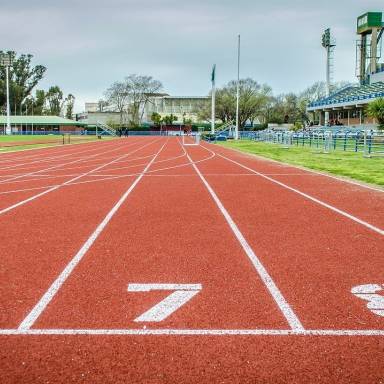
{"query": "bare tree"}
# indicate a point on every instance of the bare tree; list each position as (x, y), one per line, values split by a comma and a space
(117, 96)
(140, 89)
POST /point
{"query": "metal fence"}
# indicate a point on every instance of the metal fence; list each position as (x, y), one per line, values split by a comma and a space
(368, 142)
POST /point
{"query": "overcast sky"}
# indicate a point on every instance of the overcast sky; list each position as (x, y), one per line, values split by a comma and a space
(87, 45)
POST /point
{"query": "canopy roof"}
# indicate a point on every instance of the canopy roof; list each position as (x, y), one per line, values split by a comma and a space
(40, 120)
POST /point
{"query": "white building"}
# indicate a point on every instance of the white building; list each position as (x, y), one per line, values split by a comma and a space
(183, 107)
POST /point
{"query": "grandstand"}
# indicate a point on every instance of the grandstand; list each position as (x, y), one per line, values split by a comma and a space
(348, 105)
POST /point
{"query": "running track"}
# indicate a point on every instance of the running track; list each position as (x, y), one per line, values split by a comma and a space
(274, 273)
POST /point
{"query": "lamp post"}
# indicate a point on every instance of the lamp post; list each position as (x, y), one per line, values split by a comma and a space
(6, 61)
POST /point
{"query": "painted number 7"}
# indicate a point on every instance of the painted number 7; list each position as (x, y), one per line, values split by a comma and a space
(181, 295)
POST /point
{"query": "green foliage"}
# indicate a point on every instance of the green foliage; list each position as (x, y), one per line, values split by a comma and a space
(376, 110)
(23, 78)
(70, 103)
(156, 118)
(54, 99)
(169, 119)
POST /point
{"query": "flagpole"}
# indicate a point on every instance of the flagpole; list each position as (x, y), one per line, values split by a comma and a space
(238, 89)
(213, 101)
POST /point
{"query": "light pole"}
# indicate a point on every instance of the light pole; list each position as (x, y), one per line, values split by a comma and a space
(213, 114)
(237, 89)
(6, 61)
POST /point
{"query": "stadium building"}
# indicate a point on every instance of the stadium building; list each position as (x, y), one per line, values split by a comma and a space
(183, 107)
(348, 105)
(41, 124)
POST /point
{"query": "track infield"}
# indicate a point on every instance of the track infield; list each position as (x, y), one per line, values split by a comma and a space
(143, 260)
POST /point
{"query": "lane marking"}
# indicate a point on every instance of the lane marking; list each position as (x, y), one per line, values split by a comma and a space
(309, 197)
(197, 332)
(285, 308)
(368, 292)
(68, 182)
(55, 158)
(59, 165)
(159, 312)
(33, 315)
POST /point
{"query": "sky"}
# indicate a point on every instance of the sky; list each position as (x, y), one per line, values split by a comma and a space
(87, 45)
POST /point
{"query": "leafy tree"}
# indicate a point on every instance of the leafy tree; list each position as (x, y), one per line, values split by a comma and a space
(376, 110)
(169, 119)
(70, 103)
(54, 98)
(23, 78)
(253, 102)
(156, 118)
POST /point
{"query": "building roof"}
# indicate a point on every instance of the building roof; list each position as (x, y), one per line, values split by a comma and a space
(350, 96)
(39, 120)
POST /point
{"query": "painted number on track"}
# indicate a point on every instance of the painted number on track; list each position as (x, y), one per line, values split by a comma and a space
(181, 295)
(369, 292)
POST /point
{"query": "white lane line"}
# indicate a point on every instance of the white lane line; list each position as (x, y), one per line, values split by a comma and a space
(116, 177)
(68, 182)
(309, 197)
(59, 165)
(196, 332)
(54, 158)
(30, 319)
(285, 308)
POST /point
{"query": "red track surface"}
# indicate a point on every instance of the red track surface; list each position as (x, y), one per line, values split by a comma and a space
(80, 223)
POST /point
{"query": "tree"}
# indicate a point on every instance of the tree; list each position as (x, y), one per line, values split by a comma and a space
(54, 98)
(156, 118)
(376, 110)
(140, 89)
(169, 119)
(102, 104)
(70, 103)
(117, 96)
(129, 97)
(23, 78)
(253, 102)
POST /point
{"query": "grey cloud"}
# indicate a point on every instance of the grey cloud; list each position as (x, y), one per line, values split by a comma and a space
(86, 45)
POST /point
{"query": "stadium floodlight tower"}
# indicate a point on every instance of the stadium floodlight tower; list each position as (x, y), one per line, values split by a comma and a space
(329, 44)
(370, 27)
(6, 61)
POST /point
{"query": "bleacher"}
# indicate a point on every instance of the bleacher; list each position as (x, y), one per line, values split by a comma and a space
(352, 94)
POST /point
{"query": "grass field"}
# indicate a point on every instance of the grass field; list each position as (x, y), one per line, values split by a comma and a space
(348, 164)
(21, 138)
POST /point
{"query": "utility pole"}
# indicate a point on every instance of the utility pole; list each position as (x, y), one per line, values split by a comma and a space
(238, 89)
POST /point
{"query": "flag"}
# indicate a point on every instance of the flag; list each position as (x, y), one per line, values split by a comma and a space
(213, 73)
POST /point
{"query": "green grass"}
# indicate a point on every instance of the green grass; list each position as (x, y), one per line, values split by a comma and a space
(18, 138)
(348, 164)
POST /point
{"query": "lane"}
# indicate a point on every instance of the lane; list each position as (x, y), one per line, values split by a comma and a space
(168, 231)
(40, 238)
(357, 200)
(16, 160)
(37, 188)
(191, 359)
(39, 167)
(315, 255)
